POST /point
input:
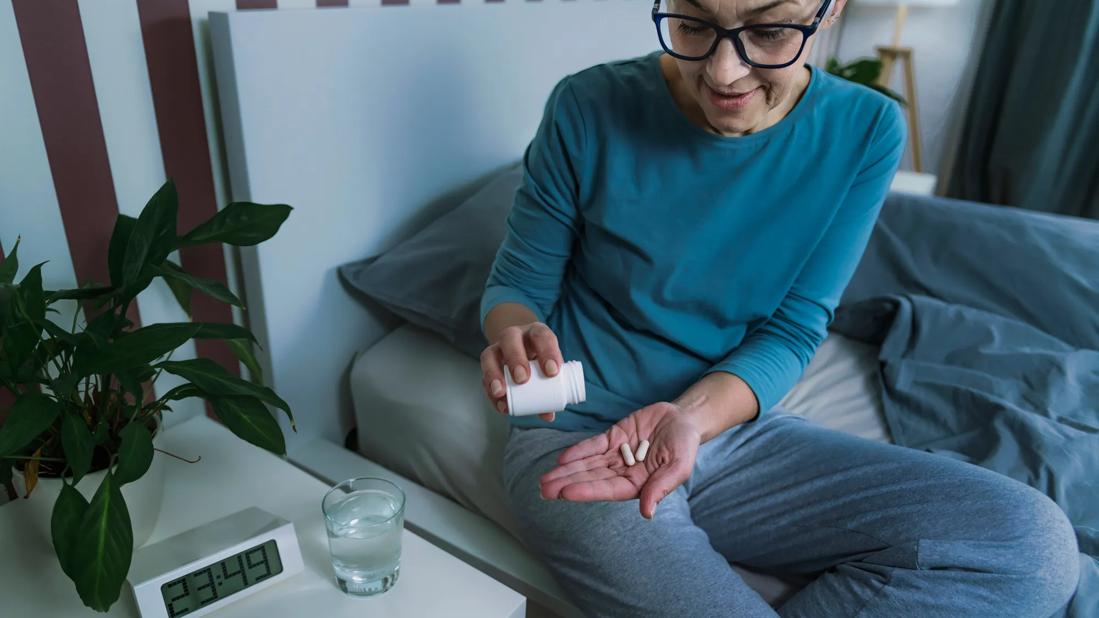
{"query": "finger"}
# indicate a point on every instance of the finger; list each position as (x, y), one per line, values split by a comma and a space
(548, 416)
(492, 376)
(594, 445)
(662, 482)
(552, 489)
(543, 342)
(617, 488)
(580, 465)
(515, 353)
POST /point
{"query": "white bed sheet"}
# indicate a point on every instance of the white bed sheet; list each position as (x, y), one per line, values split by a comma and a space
(421, 413)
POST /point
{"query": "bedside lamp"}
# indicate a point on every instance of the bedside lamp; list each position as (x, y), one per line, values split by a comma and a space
(891, 54)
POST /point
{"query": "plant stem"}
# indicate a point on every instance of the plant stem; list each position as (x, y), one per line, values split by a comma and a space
(197, 459)
(33, 458)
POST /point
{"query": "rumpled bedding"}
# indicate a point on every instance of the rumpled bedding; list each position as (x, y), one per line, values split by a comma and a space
(987, 320)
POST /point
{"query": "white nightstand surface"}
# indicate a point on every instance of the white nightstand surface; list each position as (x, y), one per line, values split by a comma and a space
(234, 475)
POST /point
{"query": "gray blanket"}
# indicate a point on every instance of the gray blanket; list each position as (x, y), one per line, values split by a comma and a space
(988, 322)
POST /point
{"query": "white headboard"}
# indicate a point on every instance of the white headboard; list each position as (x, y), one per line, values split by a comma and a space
(370, 122)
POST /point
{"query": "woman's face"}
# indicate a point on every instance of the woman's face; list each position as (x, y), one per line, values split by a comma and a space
(733, 97)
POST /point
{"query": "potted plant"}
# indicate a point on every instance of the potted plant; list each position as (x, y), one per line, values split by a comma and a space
(865, 71)
(81, 410)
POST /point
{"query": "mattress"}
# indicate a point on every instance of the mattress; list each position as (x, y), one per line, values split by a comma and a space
(421, 413)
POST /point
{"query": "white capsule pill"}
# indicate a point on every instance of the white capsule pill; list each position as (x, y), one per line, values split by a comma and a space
(627, 454)
(642, 450)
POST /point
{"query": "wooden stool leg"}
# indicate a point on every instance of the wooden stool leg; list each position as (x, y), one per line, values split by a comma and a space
(889, 57)
(913, 113)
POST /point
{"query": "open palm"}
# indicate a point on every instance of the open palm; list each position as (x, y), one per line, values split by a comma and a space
(593, 469)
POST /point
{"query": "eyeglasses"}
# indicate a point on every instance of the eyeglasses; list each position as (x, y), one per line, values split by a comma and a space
(764, 46)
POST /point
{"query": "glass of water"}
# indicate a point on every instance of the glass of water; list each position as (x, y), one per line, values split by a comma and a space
(364, 517)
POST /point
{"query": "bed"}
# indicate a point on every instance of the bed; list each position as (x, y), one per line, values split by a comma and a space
(373, 135)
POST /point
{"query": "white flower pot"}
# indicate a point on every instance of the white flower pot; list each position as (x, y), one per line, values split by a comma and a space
(143, 499)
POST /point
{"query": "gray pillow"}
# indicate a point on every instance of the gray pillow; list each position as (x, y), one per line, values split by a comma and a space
(435, 279)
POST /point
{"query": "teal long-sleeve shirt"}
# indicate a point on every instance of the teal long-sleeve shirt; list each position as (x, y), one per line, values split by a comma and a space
(658, 252)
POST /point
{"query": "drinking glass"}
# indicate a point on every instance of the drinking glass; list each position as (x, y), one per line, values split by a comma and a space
(364, 517)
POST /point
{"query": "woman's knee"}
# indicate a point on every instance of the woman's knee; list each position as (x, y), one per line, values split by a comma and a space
(1043, 555)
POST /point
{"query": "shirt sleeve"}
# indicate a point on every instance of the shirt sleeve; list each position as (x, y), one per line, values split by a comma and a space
(772, 357)
(543, 224)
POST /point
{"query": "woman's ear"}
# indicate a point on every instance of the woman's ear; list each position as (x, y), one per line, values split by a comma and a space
(834, 13)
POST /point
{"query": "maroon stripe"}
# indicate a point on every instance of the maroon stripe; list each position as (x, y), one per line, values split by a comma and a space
(56, 55)
(324, 3)
(247, 4)
(393, 2)
(68, 112)
(448, 1)
(177, 101)
(6, 398)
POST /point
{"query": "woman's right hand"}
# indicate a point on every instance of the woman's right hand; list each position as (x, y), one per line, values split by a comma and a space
(517, 347)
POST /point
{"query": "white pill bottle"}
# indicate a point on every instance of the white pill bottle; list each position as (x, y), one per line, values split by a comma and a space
(545, 394)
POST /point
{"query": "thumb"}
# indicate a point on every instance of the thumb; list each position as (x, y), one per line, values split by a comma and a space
(662, 482)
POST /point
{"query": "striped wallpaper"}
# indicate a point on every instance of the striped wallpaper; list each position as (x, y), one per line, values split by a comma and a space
(100, 102)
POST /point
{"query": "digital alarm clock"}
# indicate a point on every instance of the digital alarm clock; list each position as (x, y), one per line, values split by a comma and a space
(203, 569)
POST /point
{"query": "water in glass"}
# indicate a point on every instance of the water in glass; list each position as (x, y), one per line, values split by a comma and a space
(364, 536)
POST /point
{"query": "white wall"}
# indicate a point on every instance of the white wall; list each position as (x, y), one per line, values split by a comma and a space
(946, 43)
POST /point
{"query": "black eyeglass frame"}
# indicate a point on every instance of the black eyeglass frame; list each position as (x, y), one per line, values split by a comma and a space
(733, 34)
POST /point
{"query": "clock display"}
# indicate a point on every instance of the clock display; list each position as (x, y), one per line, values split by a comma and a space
(223, 578)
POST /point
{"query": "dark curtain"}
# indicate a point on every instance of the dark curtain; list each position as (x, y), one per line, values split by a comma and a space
(1031, 134)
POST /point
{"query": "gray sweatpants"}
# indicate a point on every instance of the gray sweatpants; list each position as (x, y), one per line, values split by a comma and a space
(891, 531)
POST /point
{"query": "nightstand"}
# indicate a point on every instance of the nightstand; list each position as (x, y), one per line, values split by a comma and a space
(231, 476)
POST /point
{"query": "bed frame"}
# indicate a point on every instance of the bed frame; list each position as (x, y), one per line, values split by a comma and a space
(371, 122)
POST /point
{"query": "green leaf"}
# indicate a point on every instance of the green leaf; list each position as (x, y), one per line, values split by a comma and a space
(135, 453)
(68, 511)
(182, 291)
(139, 347)
(7, 299)
(215, 380)
(5, 472)
(240, 223)
(183, 391)
(30, 298)
(103, 327)
(174, 275)
(144, 373)
(103, 548)
(249, 419)
(100, 434)
(32, 414)
(130, 382)
(10, 267)
(83, 293)
(152, 237)
(19, 343)
(77, 441)
(116, 250)
(214, 330)
(865, 71)
(243, 351)
(57, 332)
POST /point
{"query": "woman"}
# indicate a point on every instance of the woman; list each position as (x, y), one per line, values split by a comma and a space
(686, 225)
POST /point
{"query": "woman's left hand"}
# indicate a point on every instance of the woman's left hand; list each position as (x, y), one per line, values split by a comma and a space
(594, 470)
